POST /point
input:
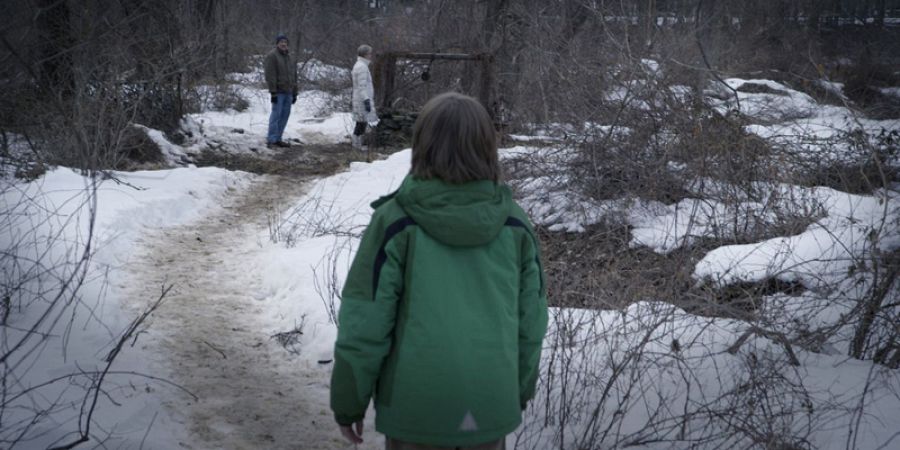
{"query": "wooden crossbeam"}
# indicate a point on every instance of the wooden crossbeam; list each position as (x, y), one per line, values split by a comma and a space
(385, 70)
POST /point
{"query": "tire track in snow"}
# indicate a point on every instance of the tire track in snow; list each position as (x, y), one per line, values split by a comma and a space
(209, 336)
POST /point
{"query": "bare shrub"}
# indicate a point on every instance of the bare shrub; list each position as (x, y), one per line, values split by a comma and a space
(644, 377)
(876, 334)
(611, 383)
(597, 269)
(215, 96)
(864, 163)
(311, 218)
(290, 339)
(864, 79)
(47, 252)
(327, 275)
(138, 149)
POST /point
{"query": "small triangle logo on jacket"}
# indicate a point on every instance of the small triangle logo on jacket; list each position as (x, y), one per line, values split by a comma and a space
(468, 423)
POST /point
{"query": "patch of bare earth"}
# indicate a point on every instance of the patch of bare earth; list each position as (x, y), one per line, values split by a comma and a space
(298, 160)
(598, 269)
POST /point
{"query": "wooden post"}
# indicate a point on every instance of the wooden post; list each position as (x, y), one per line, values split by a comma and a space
(378, 78)
(385, 71)
(487, 80)
(384, 77)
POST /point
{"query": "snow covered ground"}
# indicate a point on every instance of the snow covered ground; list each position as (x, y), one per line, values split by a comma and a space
(307, 125)
(317, 117)
(627, 377)
(645, 387)
(798, 123)
(334, 210)
(46, 224)
(135, 215)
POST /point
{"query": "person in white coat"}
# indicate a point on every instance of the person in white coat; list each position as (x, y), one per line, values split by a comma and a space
(363, 95)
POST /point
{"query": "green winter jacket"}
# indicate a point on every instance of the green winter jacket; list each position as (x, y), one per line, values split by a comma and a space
(442, 317)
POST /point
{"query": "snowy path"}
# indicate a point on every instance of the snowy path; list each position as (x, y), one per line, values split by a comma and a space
(207, 336)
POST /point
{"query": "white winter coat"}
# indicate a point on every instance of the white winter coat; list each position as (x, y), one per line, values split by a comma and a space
(362, 90)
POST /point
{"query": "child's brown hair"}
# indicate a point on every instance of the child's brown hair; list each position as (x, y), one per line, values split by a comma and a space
(454, 140)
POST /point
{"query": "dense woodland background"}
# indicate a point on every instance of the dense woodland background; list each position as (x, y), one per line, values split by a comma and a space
(91, 67)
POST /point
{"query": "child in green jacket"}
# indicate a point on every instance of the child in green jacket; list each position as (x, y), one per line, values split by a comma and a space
(444, 310)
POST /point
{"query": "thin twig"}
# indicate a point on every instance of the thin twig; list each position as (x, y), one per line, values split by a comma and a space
(216, 349)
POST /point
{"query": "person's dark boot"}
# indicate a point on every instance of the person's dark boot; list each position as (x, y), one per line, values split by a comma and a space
(271, 144)
(282, 144)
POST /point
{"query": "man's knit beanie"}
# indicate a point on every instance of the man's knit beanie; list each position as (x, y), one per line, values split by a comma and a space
(280, 37)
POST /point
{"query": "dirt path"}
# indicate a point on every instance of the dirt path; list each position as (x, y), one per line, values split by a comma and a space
(208, 334)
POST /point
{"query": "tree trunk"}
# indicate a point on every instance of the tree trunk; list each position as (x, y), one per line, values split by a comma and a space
(56, 65)
(501, 33)
(836, 12)
(879, 13)
(205, 11)
(494, 11)
(813, 14)
(649, 18)
(576, 15)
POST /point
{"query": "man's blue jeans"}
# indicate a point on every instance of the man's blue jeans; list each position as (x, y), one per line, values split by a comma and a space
(281, 110)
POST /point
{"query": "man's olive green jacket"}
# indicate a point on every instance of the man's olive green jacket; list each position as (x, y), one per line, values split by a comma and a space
(281, 72)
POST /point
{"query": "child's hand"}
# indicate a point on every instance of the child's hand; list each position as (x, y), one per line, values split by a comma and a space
(354, 436)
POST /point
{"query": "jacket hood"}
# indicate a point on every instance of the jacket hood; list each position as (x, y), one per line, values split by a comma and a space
(461, 215)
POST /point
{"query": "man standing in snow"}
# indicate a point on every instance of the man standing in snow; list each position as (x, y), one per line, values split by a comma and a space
(363, 95)
(281, 79)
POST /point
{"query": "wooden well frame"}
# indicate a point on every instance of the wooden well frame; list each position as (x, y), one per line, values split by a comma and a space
(384, 77)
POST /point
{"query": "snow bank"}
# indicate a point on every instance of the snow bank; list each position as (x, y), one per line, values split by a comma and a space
(819, 255)
(627, 376)
(794, 121)
(775, 101)
(321, 232)
(665, 228)
(544, 189)
(45, 226)
(174, 154)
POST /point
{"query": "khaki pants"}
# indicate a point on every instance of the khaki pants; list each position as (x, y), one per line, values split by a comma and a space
(393, 444)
